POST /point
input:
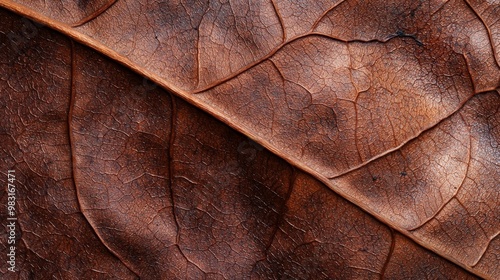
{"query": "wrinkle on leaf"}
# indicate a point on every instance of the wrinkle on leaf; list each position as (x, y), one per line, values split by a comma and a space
(95, 14)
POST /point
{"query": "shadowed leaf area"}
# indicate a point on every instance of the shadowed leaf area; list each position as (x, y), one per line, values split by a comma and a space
(251, 139)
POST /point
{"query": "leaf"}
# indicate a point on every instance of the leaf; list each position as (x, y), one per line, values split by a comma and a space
(392, 105)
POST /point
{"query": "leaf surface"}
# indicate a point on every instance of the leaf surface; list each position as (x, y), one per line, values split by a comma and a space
(392, 105)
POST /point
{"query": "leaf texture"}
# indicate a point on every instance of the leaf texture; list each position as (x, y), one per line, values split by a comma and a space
(392, 105)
